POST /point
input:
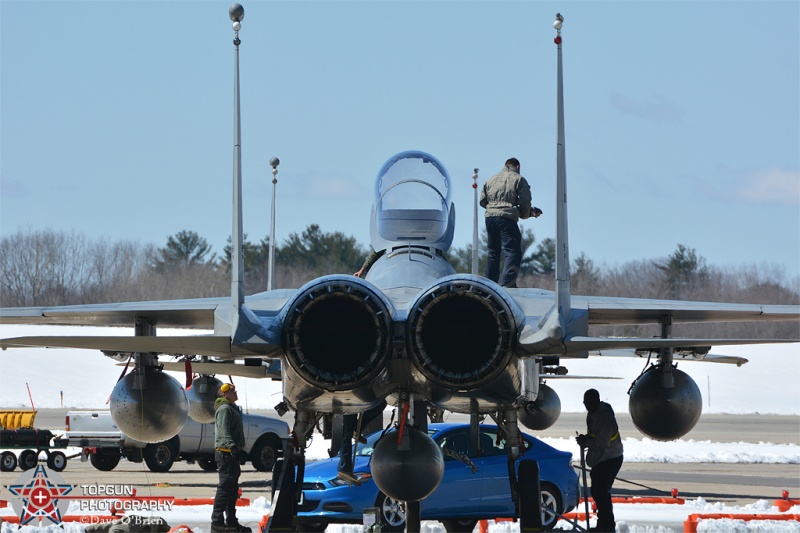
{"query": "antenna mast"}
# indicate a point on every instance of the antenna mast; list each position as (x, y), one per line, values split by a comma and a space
(562, 239)
(236, 13)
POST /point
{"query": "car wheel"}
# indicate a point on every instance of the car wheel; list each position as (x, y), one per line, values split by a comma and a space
(208, 463)
(392, 513)
(105, 461)
(8, 462)
(28, 459)
(551, 505)
(459, 526)
(56, 461)
(265, 452)
(159, 456)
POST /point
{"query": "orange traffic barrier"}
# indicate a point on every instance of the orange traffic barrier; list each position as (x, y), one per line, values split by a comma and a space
(649, 499)
(181, 529)
(690, 525)
(579, 516)
(241, 502)
(262, 526)
(81, 518)
(785, 504)
(639, 499)
(483, 525)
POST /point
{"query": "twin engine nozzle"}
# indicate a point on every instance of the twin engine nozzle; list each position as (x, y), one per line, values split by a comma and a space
(340, 333)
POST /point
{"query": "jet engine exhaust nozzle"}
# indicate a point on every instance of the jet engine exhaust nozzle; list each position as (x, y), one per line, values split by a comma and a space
(461, 334)
(338, 334)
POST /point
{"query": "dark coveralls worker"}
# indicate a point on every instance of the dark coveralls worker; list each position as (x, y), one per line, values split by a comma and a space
(604, 455)
(229, 444)
(506, 196)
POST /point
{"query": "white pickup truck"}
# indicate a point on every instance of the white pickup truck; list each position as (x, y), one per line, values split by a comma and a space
(102, 440)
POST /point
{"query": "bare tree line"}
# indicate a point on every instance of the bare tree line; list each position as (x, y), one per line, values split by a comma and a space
(46, 267)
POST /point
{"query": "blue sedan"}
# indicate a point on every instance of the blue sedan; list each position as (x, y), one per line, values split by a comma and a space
(465, 495)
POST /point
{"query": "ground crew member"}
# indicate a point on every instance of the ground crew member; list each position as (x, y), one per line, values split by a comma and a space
(604, 455)
(229, 445)
(506, 196)
(345, 467)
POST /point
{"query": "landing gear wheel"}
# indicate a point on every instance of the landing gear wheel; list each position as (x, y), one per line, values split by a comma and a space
(8, 462)
(159, 456)
(551, 505)
(391, 513)
(56, 461)
(459, 526)
(28, 459)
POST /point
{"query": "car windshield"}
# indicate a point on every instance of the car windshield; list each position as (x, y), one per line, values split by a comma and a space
(455, 440)
(367, 449)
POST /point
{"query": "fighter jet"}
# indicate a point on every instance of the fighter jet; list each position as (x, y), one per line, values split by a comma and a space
(412, 331)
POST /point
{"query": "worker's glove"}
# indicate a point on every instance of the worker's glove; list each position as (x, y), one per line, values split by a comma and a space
(582, 440)
(235, 454)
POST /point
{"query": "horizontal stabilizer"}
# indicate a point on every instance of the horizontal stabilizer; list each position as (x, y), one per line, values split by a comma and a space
(606, 310)
(683, 355)
(271, 370)
(210, 345)
(197, 313)
(584, 344)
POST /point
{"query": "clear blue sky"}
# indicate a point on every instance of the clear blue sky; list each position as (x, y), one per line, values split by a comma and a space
(683, 118)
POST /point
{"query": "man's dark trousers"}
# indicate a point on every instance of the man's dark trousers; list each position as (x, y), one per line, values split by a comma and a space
(503, 232)
(228, 488)
(603, 476)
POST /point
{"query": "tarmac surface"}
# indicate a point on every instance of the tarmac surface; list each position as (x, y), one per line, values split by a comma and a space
(733, 484)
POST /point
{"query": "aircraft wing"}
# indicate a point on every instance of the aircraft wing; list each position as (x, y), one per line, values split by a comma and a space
(199, 313)
(601, 310)
(613, 311)
(190, 345)
(195, 313)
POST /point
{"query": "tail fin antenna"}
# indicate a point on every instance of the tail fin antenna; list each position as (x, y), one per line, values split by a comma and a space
(563, 303)
(237, 236)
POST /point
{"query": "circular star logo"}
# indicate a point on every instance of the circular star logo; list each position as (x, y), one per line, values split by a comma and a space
(40, 494)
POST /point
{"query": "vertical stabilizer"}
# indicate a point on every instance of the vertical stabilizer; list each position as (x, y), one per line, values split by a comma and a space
(562, 238)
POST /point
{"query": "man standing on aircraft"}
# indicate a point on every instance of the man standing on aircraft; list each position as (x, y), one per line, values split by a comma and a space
(506, 196)
(604, 455)
(228, 443)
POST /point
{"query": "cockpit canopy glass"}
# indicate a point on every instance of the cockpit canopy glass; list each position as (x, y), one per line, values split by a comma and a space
(412, 199)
